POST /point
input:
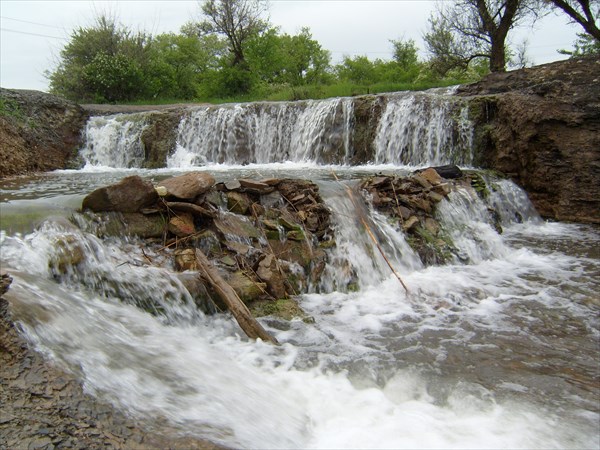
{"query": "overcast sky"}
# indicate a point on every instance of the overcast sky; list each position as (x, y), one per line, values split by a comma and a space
(33, 32)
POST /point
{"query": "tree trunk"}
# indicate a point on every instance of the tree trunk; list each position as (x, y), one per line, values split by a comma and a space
(240, 311)
(498, 56)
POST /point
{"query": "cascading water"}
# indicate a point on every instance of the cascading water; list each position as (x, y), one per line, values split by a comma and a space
(417, 129)
(429, 128)
(114, 141)
(495, 349)
(316, 131)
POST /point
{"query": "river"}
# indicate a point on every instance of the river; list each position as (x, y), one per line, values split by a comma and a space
(497, 349)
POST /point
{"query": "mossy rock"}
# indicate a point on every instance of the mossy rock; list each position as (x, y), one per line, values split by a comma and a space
(285, 308)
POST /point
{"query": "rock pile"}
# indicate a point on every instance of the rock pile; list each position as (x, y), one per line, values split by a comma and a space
(264, 236)
(410, 203)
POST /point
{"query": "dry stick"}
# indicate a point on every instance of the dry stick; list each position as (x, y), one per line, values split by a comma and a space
(240, 311)
(371, 235)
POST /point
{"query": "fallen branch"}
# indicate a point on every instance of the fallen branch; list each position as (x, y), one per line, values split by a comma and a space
(240, 311)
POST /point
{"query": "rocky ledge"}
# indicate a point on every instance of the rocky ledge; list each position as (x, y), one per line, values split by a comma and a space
(541, 127)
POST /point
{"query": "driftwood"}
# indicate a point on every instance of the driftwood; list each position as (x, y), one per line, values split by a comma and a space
(240, 311)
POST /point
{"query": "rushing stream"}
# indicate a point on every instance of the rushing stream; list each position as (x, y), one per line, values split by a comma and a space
(498, 349)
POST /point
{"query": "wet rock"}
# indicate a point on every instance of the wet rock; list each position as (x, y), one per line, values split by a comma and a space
(189, 185)
(449, 172)
(256, 187)
(5, 281)
(68, 252)
(185, 259)
(431, 176)
(286, 309)
(129, 195)
(238, 202)
(410, 223)
(246, 288)
(143, 225)
(236, 227)
(268, 272)
(182, 225)
(195, 286)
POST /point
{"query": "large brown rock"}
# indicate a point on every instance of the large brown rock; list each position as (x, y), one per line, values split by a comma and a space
(189, 185)
(541, 126)
(131, 194)
(38, 132)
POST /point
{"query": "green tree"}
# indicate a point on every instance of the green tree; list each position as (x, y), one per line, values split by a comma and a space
(306, 61)
(104, 62)
(359, 70)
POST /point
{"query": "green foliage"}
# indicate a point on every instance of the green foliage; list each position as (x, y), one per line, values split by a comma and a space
(107, 62)
(585, 44)
(9, 107)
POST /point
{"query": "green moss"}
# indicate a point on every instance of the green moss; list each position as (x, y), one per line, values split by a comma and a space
(284, 308)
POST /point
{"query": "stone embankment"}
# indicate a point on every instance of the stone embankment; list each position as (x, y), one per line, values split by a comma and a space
(541, 127)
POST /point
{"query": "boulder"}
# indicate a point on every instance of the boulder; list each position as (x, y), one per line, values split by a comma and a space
(432, 176)
(238, 202)
(189, 185)
(131, 194)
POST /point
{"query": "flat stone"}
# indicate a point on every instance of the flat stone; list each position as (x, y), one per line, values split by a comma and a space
(410, 223)
(432, 176)
(256, 186)
(189, 185)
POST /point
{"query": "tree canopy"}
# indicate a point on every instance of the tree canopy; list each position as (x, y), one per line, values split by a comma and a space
(233, 51)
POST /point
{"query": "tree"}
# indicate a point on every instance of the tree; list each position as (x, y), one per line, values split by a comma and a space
(358, 70)
(237, 20)
(104, 62)
(470, 29)
(584, 45)
(405, 53)
(581, 12)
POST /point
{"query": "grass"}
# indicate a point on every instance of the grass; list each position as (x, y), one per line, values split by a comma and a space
(316, 92)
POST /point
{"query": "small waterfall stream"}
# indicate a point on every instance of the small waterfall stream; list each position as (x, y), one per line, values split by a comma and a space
(497, 348)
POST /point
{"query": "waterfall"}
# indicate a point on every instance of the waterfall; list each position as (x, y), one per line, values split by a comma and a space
(307, 131)
(356, 261)
(114, 141)
(429, 128)
(426, 128)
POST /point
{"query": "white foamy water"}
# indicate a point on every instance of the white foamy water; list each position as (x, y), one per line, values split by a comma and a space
(308, 131)
(497, 350)
(114, 141)
(418, 129)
